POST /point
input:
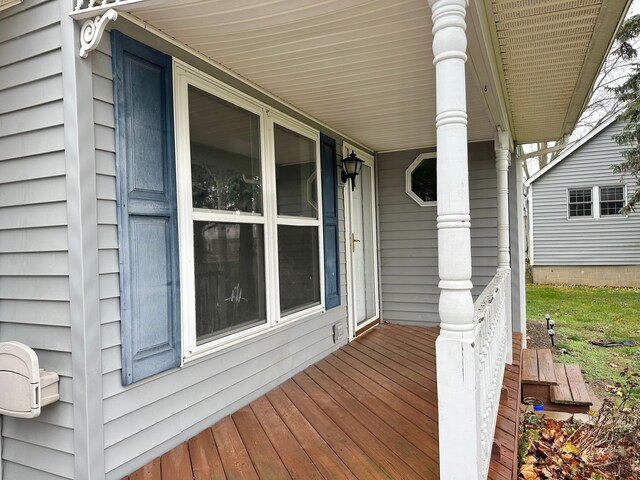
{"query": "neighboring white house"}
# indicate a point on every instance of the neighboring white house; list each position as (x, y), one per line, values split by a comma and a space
(175, 239)
(577, 234)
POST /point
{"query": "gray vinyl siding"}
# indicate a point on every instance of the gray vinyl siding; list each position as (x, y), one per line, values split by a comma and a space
(586, 241)
(34, 283)
(409, 238)
(146, 419)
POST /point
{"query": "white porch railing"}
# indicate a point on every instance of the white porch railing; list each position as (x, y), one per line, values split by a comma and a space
(492, 320)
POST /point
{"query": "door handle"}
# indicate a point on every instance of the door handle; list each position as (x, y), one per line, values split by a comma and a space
(353, 243)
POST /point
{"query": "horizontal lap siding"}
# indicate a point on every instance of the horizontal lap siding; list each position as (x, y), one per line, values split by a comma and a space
(152, 416)
(409, 238)
(34, 285)
(604, 241)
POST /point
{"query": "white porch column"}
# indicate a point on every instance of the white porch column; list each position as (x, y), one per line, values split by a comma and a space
(502, 146)
(458, 415)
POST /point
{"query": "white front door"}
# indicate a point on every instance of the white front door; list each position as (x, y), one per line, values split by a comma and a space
(361, 245)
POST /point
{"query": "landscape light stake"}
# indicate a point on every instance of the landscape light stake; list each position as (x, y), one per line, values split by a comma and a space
(547, 317)
(550, 324)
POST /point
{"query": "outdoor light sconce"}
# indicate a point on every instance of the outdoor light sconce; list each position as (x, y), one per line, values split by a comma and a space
(351, 169)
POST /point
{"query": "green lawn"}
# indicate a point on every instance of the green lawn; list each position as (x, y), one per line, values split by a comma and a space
(582, 314)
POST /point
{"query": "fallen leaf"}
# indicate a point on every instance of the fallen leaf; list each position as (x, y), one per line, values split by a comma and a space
(528, 473)
(615, 354)
(570, 448)
(614, 365)
(613, 389)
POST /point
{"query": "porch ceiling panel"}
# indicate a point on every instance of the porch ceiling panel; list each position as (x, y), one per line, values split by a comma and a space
(550, 52)
(363, 67)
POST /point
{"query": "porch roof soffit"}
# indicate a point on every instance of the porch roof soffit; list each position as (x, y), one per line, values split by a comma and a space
(364, 67)
(549, 53)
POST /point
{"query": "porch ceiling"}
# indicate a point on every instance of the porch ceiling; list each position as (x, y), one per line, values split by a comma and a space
(364, 67)
(550, 53)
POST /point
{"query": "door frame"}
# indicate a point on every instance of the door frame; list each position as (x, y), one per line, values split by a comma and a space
(370, 162)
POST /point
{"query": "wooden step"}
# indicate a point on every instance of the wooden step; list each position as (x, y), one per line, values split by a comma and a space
(571, 388)
(537, 367)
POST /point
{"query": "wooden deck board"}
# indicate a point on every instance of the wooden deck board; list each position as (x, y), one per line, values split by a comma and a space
(205, 458)
(322, 455)
(367, 411)
(376, 424)
(561, 393)
(578, 388)
(151, 471)
(264, 457)
(233, 453)
(300, 466)
(546, 372)
(530, 366)
(176, 463)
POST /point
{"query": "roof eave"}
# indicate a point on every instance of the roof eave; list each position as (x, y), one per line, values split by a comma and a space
(611, 17)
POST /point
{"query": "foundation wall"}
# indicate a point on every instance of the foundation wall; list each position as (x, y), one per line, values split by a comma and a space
(593, 275)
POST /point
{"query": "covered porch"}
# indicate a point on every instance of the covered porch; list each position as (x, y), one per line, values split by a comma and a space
(367, 411)
(402, 401)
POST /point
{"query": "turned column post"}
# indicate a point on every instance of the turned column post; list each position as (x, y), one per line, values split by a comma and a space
(502, 146)
(458, 412)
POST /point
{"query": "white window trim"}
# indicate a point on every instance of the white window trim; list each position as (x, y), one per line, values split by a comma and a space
(184, 75)
(407, 178)
(624, 201)
(595, 203)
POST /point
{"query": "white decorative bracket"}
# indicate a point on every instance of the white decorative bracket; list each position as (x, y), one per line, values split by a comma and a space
(96, 15)
(92, 31)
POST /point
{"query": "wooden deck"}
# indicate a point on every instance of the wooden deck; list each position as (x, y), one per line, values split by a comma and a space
(367, 411)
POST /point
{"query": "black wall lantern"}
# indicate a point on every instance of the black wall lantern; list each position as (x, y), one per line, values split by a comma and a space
(351, 169)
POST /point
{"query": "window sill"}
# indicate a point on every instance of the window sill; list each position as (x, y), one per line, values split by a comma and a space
(245, 336)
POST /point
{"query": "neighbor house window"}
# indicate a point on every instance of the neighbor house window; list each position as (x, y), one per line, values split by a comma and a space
(251, 249)
(580, 203)
(611, 200)
(421, 181)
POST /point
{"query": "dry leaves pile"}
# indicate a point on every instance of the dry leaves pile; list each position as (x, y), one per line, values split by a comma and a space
(605, 448)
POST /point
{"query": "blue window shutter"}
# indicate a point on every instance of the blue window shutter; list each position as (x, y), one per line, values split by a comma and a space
(147, 209)
(330, 221)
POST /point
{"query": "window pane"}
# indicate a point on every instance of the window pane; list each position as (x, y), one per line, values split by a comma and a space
(229, 278)
(611, 200)
(295, 174)
(225, 154)
(423, 180)
(299, 268)
(580, 203)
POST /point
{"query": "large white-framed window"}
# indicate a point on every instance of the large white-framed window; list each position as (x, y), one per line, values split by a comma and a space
(251, 252)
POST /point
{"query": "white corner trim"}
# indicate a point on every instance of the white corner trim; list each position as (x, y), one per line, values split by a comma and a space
(530, 221)
(570, 150)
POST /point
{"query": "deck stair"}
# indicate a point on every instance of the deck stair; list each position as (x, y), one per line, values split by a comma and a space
(560, 387)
